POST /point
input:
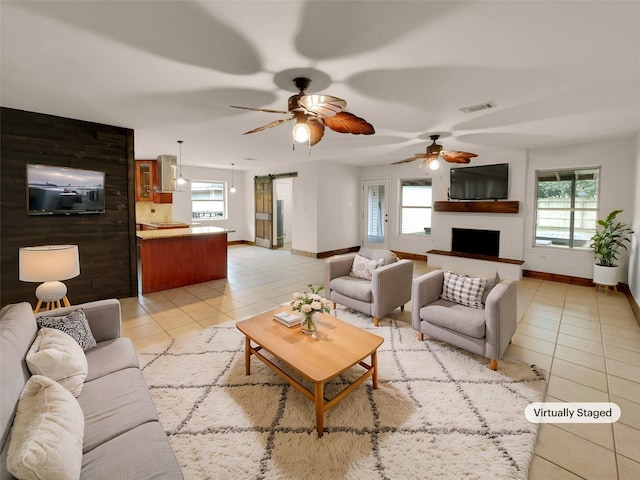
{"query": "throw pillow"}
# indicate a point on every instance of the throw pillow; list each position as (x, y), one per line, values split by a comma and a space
(47, 433)
(363, 267)
(57, 356)
(74, 323)
(463, 290)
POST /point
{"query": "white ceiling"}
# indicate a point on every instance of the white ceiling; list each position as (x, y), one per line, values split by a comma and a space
(560, 72)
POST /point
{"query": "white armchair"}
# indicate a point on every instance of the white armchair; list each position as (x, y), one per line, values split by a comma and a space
(388, 288)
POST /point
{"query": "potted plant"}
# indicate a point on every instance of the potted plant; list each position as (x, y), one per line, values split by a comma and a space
(606, 244)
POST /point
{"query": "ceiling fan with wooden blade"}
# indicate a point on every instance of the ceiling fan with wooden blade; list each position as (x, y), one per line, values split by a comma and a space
(434, 151)
(312, 113)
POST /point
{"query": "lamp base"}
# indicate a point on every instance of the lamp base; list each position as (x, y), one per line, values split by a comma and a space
(52, 293)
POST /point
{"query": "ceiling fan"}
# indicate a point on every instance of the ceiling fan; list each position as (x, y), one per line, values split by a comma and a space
(435, 151)
(312, 113)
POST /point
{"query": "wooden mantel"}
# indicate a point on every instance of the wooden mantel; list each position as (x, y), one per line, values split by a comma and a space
(497, 206)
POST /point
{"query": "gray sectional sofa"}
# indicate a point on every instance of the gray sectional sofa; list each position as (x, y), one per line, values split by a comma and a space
(122, 435)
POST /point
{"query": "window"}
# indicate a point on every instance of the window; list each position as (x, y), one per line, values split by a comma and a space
(415, 207)
(566, 207)
(208, 200)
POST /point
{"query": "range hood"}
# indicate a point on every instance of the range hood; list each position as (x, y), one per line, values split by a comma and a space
(167, 172)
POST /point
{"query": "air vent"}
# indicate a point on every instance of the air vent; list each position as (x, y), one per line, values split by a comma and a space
(477, 108)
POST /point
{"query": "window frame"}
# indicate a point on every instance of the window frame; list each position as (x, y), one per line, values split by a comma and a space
(572, 209)
(402, 207)
(225, 200)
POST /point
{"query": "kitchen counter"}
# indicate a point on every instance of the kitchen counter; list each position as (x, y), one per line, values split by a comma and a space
(180, 232)
(176, 257)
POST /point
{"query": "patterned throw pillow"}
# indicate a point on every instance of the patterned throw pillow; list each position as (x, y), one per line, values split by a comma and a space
(463, 290)
(74, 324)
(363, 267)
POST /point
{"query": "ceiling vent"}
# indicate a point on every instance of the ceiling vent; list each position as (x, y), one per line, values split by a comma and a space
(477, 108)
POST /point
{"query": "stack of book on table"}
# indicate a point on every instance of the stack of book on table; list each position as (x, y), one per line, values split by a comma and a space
(290, 319)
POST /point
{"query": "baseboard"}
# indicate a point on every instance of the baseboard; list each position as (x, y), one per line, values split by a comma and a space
(555, 277)
(240, 242)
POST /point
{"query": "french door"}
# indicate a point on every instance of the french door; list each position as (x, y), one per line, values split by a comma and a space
(376, 214)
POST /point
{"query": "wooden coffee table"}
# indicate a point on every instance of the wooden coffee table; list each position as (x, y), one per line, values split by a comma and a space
(337, 347)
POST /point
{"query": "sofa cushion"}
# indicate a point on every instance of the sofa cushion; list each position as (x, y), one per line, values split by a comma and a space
(74, 323)
(363, 267)
(57, 356)
(114, 404)
(453, 316)
(111, 356)
(464, 290)
(46, 437)
(353, 288)
(142, 452)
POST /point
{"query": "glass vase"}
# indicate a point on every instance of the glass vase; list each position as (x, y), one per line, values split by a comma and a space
(308, 323)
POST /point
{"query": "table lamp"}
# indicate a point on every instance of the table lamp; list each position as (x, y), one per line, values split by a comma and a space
(50, 264)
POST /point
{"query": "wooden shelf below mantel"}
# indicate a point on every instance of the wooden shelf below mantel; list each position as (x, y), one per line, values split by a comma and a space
(478, 206)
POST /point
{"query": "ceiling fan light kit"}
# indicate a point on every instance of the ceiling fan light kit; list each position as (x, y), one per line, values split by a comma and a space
(435, 153)
(312, 113)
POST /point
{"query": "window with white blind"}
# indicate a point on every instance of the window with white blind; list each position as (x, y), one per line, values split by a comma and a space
(566, 207)
(415, 207)
(208, 200)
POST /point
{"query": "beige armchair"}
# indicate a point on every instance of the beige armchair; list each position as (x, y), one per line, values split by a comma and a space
(388, 288)
(485, 331)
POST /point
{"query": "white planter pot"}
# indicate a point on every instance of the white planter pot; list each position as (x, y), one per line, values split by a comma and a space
(605, 275)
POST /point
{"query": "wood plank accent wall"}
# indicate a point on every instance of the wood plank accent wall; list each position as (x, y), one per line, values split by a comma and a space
(106, 242)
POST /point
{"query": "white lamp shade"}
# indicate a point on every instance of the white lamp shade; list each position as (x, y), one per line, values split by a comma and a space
(49, 263)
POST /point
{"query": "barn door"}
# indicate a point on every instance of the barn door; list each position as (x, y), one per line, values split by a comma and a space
(264, 211)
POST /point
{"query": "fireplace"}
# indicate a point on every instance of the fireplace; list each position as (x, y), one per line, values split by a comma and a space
(476, 242)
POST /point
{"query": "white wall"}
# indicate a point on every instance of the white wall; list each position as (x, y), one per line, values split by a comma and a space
(634, 250)
(509, 225)
(236, 201)
(617, 187)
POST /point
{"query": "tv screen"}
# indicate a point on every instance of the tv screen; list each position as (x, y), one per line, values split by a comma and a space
(61, 190)
(484, 182)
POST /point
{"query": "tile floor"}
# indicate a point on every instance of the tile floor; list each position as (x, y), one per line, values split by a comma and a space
(587, 342)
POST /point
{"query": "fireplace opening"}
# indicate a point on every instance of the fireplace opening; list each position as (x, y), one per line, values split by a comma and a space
(477, 242)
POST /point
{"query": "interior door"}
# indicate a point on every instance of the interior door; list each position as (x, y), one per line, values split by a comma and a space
(263, 188)
(376, 214)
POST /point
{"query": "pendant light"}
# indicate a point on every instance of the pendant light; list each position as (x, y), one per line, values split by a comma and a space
(232, 189)
(180, 180)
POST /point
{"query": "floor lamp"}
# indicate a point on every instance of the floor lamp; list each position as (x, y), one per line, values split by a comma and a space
(50, 264)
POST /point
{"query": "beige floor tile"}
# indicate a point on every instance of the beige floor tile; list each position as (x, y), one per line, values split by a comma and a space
(580, 344)
(537, 332)
(580, 357)
(623, 370)
(141, 331)
(542, 469)
(584, 333)
(624, 332)
(580, 322)
(622, 355)
(132, 322)
(553, 325)
(570, 391)
(630, 411)
(151, 340)
(627, 468)
(624, 388)
(169, 323)
(208, 322)
(579, 374)
(535, 344)
(622, 342)
(185, 329)
(627, 441)
(207, 311)
(540, 360)
(575, 454)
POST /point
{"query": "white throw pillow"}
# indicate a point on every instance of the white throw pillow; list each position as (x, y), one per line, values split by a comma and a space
(363, 267)
(56, 355)
(463, 290)
(47, 433)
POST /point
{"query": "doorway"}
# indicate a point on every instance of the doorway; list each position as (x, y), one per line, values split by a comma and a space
(376, 214)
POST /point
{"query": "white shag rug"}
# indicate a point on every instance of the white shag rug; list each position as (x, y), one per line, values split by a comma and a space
(439, 412)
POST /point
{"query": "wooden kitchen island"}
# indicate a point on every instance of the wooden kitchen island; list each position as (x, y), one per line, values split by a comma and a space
(171, 258)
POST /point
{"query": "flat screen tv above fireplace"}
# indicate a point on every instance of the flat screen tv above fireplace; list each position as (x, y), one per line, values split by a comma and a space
(484, 182)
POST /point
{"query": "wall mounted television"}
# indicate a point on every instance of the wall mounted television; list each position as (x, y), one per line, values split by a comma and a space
(484, 182)
(54, 190)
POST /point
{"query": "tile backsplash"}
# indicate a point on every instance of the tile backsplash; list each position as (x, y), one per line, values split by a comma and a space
(149, 212)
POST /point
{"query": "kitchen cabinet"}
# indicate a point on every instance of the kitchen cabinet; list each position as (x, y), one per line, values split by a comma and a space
(147, 183)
